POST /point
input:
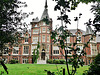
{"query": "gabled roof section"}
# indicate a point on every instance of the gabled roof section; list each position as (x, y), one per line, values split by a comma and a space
(73, 31)
(45, 12)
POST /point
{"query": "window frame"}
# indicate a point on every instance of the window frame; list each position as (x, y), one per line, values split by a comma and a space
(26, 50)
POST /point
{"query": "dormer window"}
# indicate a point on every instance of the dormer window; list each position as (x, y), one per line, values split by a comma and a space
(15, 50)
(44, 24)
(26, 39)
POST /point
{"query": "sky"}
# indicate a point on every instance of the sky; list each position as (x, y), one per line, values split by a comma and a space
(37, 6)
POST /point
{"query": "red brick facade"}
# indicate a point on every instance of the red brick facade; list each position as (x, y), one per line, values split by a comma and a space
(40, 32)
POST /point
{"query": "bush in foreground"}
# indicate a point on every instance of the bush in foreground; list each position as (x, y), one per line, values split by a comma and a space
(94, 67)
(56, 61)
(13, 61)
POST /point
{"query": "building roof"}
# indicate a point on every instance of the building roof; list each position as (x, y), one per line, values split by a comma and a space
(89, 30)
(73, 31)
(45, 12)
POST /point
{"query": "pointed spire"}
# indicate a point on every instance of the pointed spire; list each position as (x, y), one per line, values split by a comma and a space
(45, 12)
(46, 6)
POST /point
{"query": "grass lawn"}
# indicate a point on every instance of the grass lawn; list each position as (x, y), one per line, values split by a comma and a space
(35, 69)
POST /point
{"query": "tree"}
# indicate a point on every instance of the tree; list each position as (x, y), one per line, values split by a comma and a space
(10, 22)
(65, 6)
(36, 53)
(94, 67)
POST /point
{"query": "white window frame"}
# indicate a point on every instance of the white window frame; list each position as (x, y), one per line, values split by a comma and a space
(35, 40)
(43, 38)
(48, 38)
(48, 31)
(43, 30)
(25, 60)
(68, 51)
(56, 50)
(68, 39)
(81, 47)
(35, 31)
(44, 23)
(48, 47)
(16, 49)
(25, 49)
(26, 40)
(5, 51)
(33, 47)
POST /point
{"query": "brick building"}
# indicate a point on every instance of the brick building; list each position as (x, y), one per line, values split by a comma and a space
(40, 31)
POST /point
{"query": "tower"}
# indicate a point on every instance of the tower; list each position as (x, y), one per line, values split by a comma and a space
(40, 32)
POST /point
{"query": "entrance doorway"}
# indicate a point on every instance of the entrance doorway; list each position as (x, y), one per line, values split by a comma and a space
(43, 56)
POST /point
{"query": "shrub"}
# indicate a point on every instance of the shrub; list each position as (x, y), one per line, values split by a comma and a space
(94, 67)
(16, 61)
(12, 61)
(49, 61)
(57, 61)
(62, 61)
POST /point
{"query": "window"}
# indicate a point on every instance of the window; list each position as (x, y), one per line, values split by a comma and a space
(5, 51)
(79, 46)
(25, 60)
(15, 50)
(35, 31)
(93, 49)
(47, 38)
(67, 51)
(43, 38)
(44, 24)
(33, 47)
(68, 39)
(48, 31)
(35, 40)
(89, 61)
(35, 25)
(40, 30)
(56, 50)
(26, 49)
(48, 47)
(26, 39)
(15, 58)
(43, 30)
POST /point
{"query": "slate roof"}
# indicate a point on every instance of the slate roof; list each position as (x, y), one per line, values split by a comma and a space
(45, 12)
(73, 31)
(89, 30)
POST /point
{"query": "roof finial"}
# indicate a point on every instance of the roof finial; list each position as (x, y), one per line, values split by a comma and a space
(46, 4)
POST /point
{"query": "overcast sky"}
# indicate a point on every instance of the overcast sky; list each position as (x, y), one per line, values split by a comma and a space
(37, 6)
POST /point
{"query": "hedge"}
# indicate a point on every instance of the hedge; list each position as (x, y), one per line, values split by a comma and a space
(56, 61)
